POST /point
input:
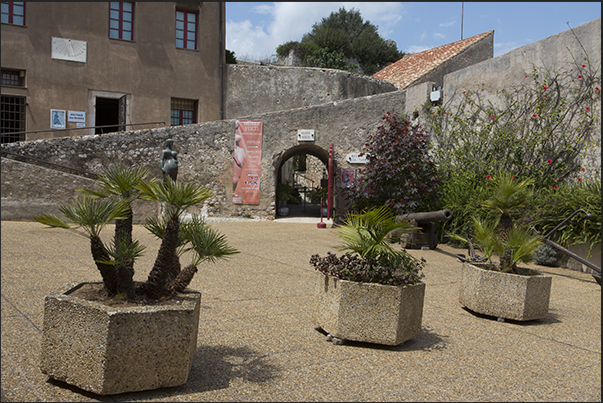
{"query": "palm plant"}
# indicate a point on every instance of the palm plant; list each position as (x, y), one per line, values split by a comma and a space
(120, 186)
(368, 238)
(500, 233)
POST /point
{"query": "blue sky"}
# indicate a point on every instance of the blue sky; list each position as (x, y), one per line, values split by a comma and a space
(254, 30)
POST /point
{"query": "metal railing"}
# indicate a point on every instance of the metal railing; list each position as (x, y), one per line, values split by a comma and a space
(51, 165)
(81, 128)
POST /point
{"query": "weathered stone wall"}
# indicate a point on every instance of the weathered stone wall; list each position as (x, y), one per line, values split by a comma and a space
(251, 90)
(205, 154)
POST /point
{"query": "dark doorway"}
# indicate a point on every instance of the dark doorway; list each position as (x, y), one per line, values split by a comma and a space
(107, 113)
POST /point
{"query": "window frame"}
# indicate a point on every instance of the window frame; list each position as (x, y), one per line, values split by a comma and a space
(179, 105)
(13, 78)
(121, 21)
(11, 13)
(6, 113)
(186, 29)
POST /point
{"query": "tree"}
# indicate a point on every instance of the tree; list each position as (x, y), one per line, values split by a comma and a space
(347, 34)
(230, 57)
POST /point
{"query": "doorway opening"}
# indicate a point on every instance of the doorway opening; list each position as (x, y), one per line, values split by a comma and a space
(110, 111)
(304, 169)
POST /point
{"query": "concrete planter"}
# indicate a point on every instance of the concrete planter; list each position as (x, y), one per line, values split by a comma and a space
(115, 349)
(505, 295)
(367, 312)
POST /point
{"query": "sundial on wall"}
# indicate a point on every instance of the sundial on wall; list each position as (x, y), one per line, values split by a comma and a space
(69, 49)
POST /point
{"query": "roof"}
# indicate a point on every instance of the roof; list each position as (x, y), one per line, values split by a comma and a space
(412, 67)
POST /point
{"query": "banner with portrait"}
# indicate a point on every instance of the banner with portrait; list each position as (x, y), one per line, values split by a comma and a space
(247, 162)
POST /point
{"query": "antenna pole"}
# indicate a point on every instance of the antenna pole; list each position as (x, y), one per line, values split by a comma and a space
(462, 15)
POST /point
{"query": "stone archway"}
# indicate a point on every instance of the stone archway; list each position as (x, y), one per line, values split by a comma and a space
(299, 150)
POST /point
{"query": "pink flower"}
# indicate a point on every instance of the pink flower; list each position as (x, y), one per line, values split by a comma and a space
(549, 161)
(488, 176)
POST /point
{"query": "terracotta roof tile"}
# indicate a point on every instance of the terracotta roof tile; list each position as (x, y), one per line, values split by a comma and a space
(412, 67)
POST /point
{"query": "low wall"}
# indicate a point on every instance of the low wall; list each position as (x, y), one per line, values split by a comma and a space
(251, 90)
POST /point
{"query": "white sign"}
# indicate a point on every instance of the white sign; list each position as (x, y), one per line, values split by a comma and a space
(57, 119)
(80, 125)
(355, 158)
(76, 116)
(305, 135)
(69, 49)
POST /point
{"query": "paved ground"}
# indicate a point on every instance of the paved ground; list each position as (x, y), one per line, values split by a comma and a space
(257, 341)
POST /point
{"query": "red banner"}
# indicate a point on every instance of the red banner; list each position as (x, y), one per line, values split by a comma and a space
(247, 162)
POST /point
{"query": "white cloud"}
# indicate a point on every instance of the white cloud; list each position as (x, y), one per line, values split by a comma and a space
(416, 49)
(448, 24)
(438, 35)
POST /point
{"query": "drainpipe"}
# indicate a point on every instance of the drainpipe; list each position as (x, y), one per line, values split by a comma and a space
(221, 61)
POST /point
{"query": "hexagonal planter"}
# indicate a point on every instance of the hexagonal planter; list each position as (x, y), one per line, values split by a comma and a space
(505, 295)
(366, 312)
(115, 349)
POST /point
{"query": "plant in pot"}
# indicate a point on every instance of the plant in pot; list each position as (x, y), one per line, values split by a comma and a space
(504, 289)
(284, 194)
(372, 293)
(119, 335)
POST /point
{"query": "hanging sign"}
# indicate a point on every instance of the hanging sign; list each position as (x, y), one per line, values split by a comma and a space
(247, 162)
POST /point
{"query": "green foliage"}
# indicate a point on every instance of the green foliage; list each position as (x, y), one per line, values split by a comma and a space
(539, 128)
(284, 193)
(330, 60)
(400, 172)
(230, 57)
(495, 230)
(344, 34)
(552, 205)
(371, 258)
(546, 255)
(94, 210)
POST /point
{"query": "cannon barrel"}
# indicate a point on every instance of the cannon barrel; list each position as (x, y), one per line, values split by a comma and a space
(429, 216)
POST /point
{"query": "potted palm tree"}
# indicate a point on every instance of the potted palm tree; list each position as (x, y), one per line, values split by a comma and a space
(119, 335)
(504, 289)
(372, 293)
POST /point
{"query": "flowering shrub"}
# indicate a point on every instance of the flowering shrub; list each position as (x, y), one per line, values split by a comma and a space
(540, 127)
(400, 173)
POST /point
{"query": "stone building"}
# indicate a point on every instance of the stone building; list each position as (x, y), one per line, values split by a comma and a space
(120, 65)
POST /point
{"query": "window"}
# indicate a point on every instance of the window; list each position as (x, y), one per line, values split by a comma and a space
(186, 29)
(13, 12)
(184, 112)
(13, 78)
(12, 111)
(121, 20)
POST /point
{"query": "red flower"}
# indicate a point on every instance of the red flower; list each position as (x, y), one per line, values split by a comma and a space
(588, 109)
(488, 176)
(596, 88)
(579, 179)
(526, 76)
(493, 117)
(534, 116)
(582, 169)
(555, 187)
(544, 88)
(513, 177)
(584, 65)
(579, 75)
(549, 161)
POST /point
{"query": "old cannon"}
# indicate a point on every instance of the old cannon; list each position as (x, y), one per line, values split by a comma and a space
(425, 235)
